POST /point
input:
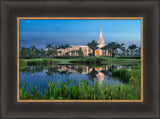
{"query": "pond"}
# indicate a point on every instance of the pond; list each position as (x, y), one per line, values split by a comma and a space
(41, 74)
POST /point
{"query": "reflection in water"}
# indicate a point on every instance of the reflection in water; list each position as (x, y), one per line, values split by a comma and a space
(100, 77)
(32, 70)
(74, 71)
(92, 74)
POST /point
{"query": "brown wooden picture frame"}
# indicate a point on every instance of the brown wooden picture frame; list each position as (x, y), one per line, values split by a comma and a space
(12, 9)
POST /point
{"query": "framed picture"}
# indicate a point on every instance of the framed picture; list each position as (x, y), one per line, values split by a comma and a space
(80, 59)
(95, 71)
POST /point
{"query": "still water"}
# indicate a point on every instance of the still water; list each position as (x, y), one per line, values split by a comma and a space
(40, 75)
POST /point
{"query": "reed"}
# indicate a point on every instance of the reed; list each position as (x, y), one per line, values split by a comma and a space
(66, 91)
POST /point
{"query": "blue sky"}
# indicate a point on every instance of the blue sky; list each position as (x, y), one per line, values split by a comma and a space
(78, 32)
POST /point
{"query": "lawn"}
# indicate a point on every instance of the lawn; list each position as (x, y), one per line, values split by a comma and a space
(84, 61)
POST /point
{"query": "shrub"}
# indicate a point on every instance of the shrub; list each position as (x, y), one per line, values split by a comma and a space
(90, 60)
(123, 74)
(67, 57)
(22, 63)
(41, 62)
(136, 67)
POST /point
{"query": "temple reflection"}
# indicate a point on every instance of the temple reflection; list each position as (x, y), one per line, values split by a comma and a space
(92, 72)
(100, 77)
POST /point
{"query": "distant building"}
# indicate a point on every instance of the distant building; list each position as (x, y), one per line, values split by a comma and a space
(73, 50)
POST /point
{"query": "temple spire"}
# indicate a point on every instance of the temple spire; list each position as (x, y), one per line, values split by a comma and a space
(101, 41)
(101, 31)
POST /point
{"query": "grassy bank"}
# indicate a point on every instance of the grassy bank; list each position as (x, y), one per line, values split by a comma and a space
(122, 62)
(43, 61)
(106, 61)
(90, 61)
(66, 91)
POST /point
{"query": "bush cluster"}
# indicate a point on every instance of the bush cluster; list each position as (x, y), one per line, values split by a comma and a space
(91, 60)
(123, 74)
(22, 63)
(41, 62)
(68, 57)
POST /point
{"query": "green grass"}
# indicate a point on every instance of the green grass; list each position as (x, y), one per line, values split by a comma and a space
(106, 61)
(116, 61)
(90, 61)
(43, 61)
(22, 63)
(66, 91)
(51, 59)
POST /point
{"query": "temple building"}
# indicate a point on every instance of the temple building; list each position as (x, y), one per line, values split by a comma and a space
(73, 50)
(99, 51)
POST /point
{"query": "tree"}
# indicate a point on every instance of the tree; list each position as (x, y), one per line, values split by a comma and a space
(106, 47)
(64, 47)
(109, 51)
(113, 46)
(132, 48)
(60, 52)
(54, 50)
(138, 51)
(93, 46)
(121, 46)
(73, 52)
(51, 50)
(67, 53)
(42, 52)
(48, 46)
(24, 52)
(80, 52)
(38, 53)
(127, 51)
(32, 51)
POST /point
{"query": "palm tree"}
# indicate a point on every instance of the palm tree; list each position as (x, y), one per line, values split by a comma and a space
(37, 52)
(138, 51)
(127, 50)
(48, 46)
(24, 52)
(93, 46)
(66, 47)
(32, 49)
(132, 48)
(42, 52)
(60, 52)
(54, 51)
(113, 46)
(121, 46)
(73, 52)
(104, 48)
(80, 52)
(77, 54)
